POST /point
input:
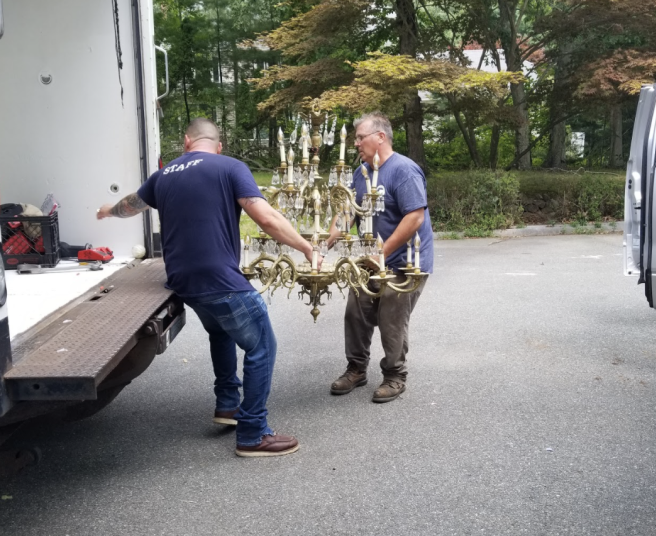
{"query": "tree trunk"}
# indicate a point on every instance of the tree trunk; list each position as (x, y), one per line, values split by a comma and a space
(616, 156)
(494, 146)
(558, 137)
(185, 39)
(557, 111)
(235, 70)
(471, 143)
(414, 131)
(509, 43)
(406, 22)
(522, 132)
(273, 136)
(220, 73)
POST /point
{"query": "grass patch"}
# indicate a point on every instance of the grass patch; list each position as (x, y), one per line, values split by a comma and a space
(246, 224)
(262, 178)
(450, 236)
(477, 232)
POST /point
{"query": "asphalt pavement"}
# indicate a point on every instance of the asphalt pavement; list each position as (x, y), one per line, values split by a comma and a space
(530, 409)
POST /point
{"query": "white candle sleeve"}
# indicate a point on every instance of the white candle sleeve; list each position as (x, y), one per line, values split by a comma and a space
(376, 162)
(281, 142)
(342, 144)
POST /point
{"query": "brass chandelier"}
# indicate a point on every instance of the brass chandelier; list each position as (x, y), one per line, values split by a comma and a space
(310, 203)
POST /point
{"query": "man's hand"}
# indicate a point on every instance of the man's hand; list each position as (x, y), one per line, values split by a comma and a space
(103, 212)
(371, 262)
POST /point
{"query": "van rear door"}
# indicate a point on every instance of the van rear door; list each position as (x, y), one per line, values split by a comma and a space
(639, 216)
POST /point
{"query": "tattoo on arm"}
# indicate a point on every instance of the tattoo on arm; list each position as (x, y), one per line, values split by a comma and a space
(247, 201)
(130, 205)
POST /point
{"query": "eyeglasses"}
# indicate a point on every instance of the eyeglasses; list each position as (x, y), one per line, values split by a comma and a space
(358, 139)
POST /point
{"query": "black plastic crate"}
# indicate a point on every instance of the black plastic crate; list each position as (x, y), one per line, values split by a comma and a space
(29, 240)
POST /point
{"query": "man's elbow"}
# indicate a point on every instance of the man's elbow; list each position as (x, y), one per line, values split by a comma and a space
(419, 218)
(266, 220)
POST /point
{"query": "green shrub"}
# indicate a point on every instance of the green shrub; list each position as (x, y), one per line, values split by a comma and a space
(597, 196)
(583, 196)
(477, 201)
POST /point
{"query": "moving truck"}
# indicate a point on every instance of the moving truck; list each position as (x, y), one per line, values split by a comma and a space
(78, 123)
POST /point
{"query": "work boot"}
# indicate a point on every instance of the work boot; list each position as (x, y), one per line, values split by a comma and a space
(226, 417)
(388, 391)
(348, 381)
(271, 445)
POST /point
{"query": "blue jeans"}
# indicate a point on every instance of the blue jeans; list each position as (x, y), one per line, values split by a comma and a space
(240, 318)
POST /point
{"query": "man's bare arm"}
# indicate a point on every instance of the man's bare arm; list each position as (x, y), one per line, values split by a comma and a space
(129, 206)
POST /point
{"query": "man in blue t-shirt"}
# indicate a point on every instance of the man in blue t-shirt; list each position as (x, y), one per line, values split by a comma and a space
(405, 214)
(199, 197)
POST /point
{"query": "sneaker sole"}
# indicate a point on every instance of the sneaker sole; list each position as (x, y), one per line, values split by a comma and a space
(389, 398)
(264, 453)
(223, 420)
(347, 391)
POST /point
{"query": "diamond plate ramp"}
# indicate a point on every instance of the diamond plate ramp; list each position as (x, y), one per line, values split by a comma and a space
(71, 364)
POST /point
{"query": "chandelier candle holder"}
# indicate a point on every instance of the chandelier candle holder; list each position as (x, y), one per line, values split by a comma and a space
(311, 203)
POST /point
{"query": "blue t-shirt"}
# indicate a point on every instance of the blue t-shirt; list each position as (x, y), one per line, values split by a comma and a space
(196, 196)
(405, 191)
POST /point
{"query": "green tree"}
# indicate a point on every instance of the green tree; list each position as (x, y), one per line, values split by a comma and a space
(347, 54)
(603, 51)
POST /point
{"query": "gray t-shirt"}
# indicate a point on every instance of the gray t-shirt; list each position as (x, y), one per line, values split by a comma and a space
(405, 191)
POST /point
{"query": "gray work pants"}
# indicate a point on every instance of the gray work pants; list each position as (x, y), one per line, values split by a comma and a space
(391, 313)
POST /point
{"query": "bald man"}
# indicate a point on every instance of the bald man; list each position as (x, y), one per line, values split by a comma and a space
(199, 197)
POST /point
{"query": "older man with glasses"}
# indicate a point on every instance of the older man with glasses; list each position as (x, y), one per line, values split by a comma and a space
(405, 214)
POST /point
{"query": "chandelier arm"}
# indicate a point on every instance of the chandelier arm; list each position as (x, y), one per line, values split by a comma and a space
(408, 279)
(372, 294)
(346, 274)
(403, 289)
(338, 192)
(274, 275)
(362, 280)
(271, 190)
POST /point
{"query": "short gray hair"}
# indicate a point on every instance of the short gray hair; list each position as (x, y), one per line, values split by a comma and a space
(380, 122)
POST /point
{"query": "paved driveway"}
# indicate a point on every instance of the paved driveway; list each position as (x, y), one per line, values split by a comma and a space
(531, 409)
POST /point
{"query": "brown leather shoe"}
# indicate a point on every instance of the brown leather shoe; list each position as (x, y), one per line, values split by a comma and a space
(226, 417)
(388, 391)
(348, 381)
(271, 445)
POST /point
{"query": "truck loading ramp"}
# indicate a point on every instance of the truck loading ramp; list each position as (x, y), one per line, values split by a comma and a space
(93, 337)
